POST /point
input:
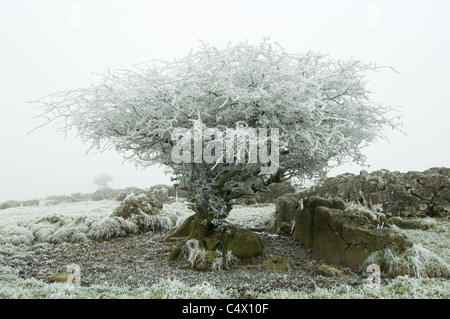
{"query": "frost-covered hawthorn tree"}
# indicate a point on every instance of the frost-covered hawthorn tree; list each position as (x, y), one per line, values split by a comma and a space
(320, 107)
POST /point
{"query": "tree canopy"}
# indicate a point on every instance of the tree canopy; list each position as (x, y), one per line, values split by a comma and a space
(320, 107)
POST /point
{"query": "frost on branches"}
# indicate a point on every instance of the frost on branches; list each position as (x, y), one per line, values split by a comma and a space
(319, 105)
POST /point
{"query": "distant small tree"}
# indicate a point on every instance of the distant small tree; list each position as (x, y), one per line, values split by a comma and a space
(102, 181)
(319, 106)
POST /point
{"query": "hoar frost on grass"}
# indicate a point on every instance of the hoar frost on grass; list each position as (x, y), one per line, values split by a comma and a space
(416, 261)
(176, 289)
(194, 253)
(65, 225)
(428, 257)
(26, 215)
(16, 235)
(430, 253)
(108, 228)
(373, 211)
(48, 224)
(402, 287)
(14, 287)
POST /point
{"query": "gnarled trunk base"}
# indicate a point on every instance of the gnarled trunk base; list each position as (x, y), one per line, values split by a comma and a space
(225, 242)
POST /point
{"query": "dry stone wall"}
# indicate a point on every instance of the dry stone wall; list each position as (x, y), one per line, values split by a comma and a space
(411, 194)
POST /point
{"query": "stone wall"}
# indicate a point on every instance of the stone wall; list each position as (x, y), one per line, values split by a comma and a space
(411, 194)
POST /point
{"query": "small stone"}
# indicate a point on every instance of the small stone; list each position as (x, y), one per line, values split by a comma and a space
(285, 228)
(278, 263)
(58, 277)
(329, 271)
(407, 224)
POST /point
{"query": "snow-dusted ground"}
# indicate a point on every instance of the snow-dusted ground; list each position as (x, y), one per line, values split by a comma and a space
(24, 215)
(25, 259)
(253, 216)
(57, 223)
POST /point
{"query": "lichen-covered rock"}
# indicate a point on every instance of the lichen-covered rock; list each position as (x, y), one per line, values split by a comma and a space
(207, 260)
(348, 238)
(285, 228)
(244, 243)
(278, 264)
(211, 243)
(304, 220)
(341, 236)
(227, 240)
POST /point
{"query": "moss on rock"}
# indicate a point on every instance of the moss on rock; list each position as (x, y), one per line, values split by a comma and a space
(244, 244)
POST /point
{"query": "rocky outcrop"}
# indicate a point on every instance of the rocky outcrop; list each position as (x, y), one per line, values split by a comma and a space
(159, 193)
(411, 194)
(341, 236)
(139, 209)
(274, 191)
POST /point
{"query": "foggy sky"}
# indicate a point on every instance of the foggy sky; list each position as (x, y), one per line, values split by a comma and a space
(52, 45)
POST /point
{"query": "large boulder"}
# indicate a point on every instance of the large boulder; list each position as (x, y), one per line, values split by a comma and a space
(411, 194)
(240, 242)
(243, 243)
(341, 236)
(140, 209)
(285, 212)
(304, 220)
(347, 237)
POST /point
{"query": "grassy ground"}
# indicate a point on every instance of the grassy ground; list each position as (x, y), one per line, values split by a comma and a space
(430, 256)
(402, 287)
